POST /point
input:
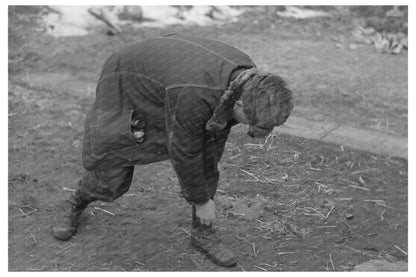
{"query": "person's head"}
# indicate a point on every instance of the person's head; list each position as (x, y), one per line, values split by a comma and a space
(260, 100)
(265, 102)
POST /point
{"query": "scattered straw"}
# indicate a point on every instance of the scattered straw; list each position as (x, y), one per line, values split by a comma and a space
(401, 250)
(33, 237)
(384, 205)
(63, 249)
(252, 175)
(259, 267)
(23, 213)
(270, 180)
(330, 260)
(343, 199)
(255, 251)
(316, 211)
(110, 213)
(330, 211)
(358, 187)
(381, 215)
(186, 231)
(349, 181)
(378, 202)
(285, 253)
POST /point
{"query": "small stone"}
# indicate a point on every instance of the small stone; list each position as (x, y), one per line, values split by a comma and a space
(349, 216)
(353, 46)
(77, 143)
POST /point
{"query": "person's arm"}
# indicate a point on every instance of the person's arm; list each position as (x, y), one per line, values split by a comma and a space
(186, 140)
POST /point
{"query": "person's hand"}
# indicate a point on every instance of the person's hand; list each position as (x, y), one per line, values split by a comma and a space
(206, 212)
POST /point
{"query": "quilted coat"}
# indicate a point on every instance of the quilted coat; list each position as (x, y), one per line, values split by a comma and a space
(173, 83)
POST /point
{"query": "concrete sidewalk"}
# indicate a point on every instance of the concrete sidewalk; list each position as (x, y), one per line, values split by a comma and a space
(362, 139)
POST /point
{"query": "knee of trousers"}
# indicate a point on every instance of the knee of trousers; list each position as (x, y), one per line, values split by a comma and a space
(106, 185)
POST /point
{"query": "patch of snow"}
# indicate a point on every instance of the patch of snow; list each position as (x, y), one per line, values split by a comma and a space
(302, 13)
(78, 21)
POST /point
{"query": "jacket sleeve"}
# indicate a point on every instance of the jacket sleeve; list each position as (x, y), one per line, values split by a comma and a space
(186, 145)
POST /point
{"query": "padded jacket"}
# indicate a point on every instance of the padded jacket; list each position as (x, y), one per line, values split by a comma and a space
(173, 83)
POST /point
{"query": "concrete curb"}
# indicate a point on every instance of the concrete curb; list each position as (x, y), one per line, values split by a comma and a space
(362, 139)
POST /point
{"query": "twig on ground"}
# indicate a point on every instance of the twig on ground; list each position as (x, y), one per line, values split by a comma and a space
(65, 248)
(267, 265)
(252, 175)
(284, 253)
(343, 199)
(358, 187)
(401, 250)
(316, 211)
(293, 203)
(138, 262)
(330, 260)
(253, 145)
(381, 215)
(255, 251)
(33, 237)
(371, 200)
(349, 226)
(259, 267)
(362, 180)
(270, 180)
(235, 156)
(378, 202)
(186, 231)
(68, 189)
(348, 181)
(23, 213)
(384, 205)
(330, 211)
(110, 213)
(312, 215)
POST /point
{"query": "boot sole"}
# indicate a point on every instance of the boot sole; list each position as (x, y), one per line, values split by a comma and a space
(211, 257)
(62, 235)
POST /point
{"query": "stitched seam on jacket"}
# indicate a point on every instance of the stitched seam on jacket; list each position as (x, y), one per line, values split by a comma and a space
(203, 47)
(130, 72)
(194, 86)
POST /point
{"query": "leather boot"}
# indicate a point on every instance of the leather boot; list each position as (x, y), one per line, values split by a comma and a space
(205, 239)
(67, 215)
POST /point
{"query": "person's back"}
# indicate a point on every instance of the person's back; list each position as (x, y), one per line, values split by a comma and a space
(185, 93)
(178, 60)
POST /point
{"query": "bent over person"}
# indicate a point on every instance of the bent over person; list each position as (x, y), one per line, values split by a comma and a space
(173, 97)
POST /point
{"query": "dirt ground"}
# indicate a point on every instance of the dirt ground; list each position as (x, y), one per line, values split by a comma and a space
(288, 204)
